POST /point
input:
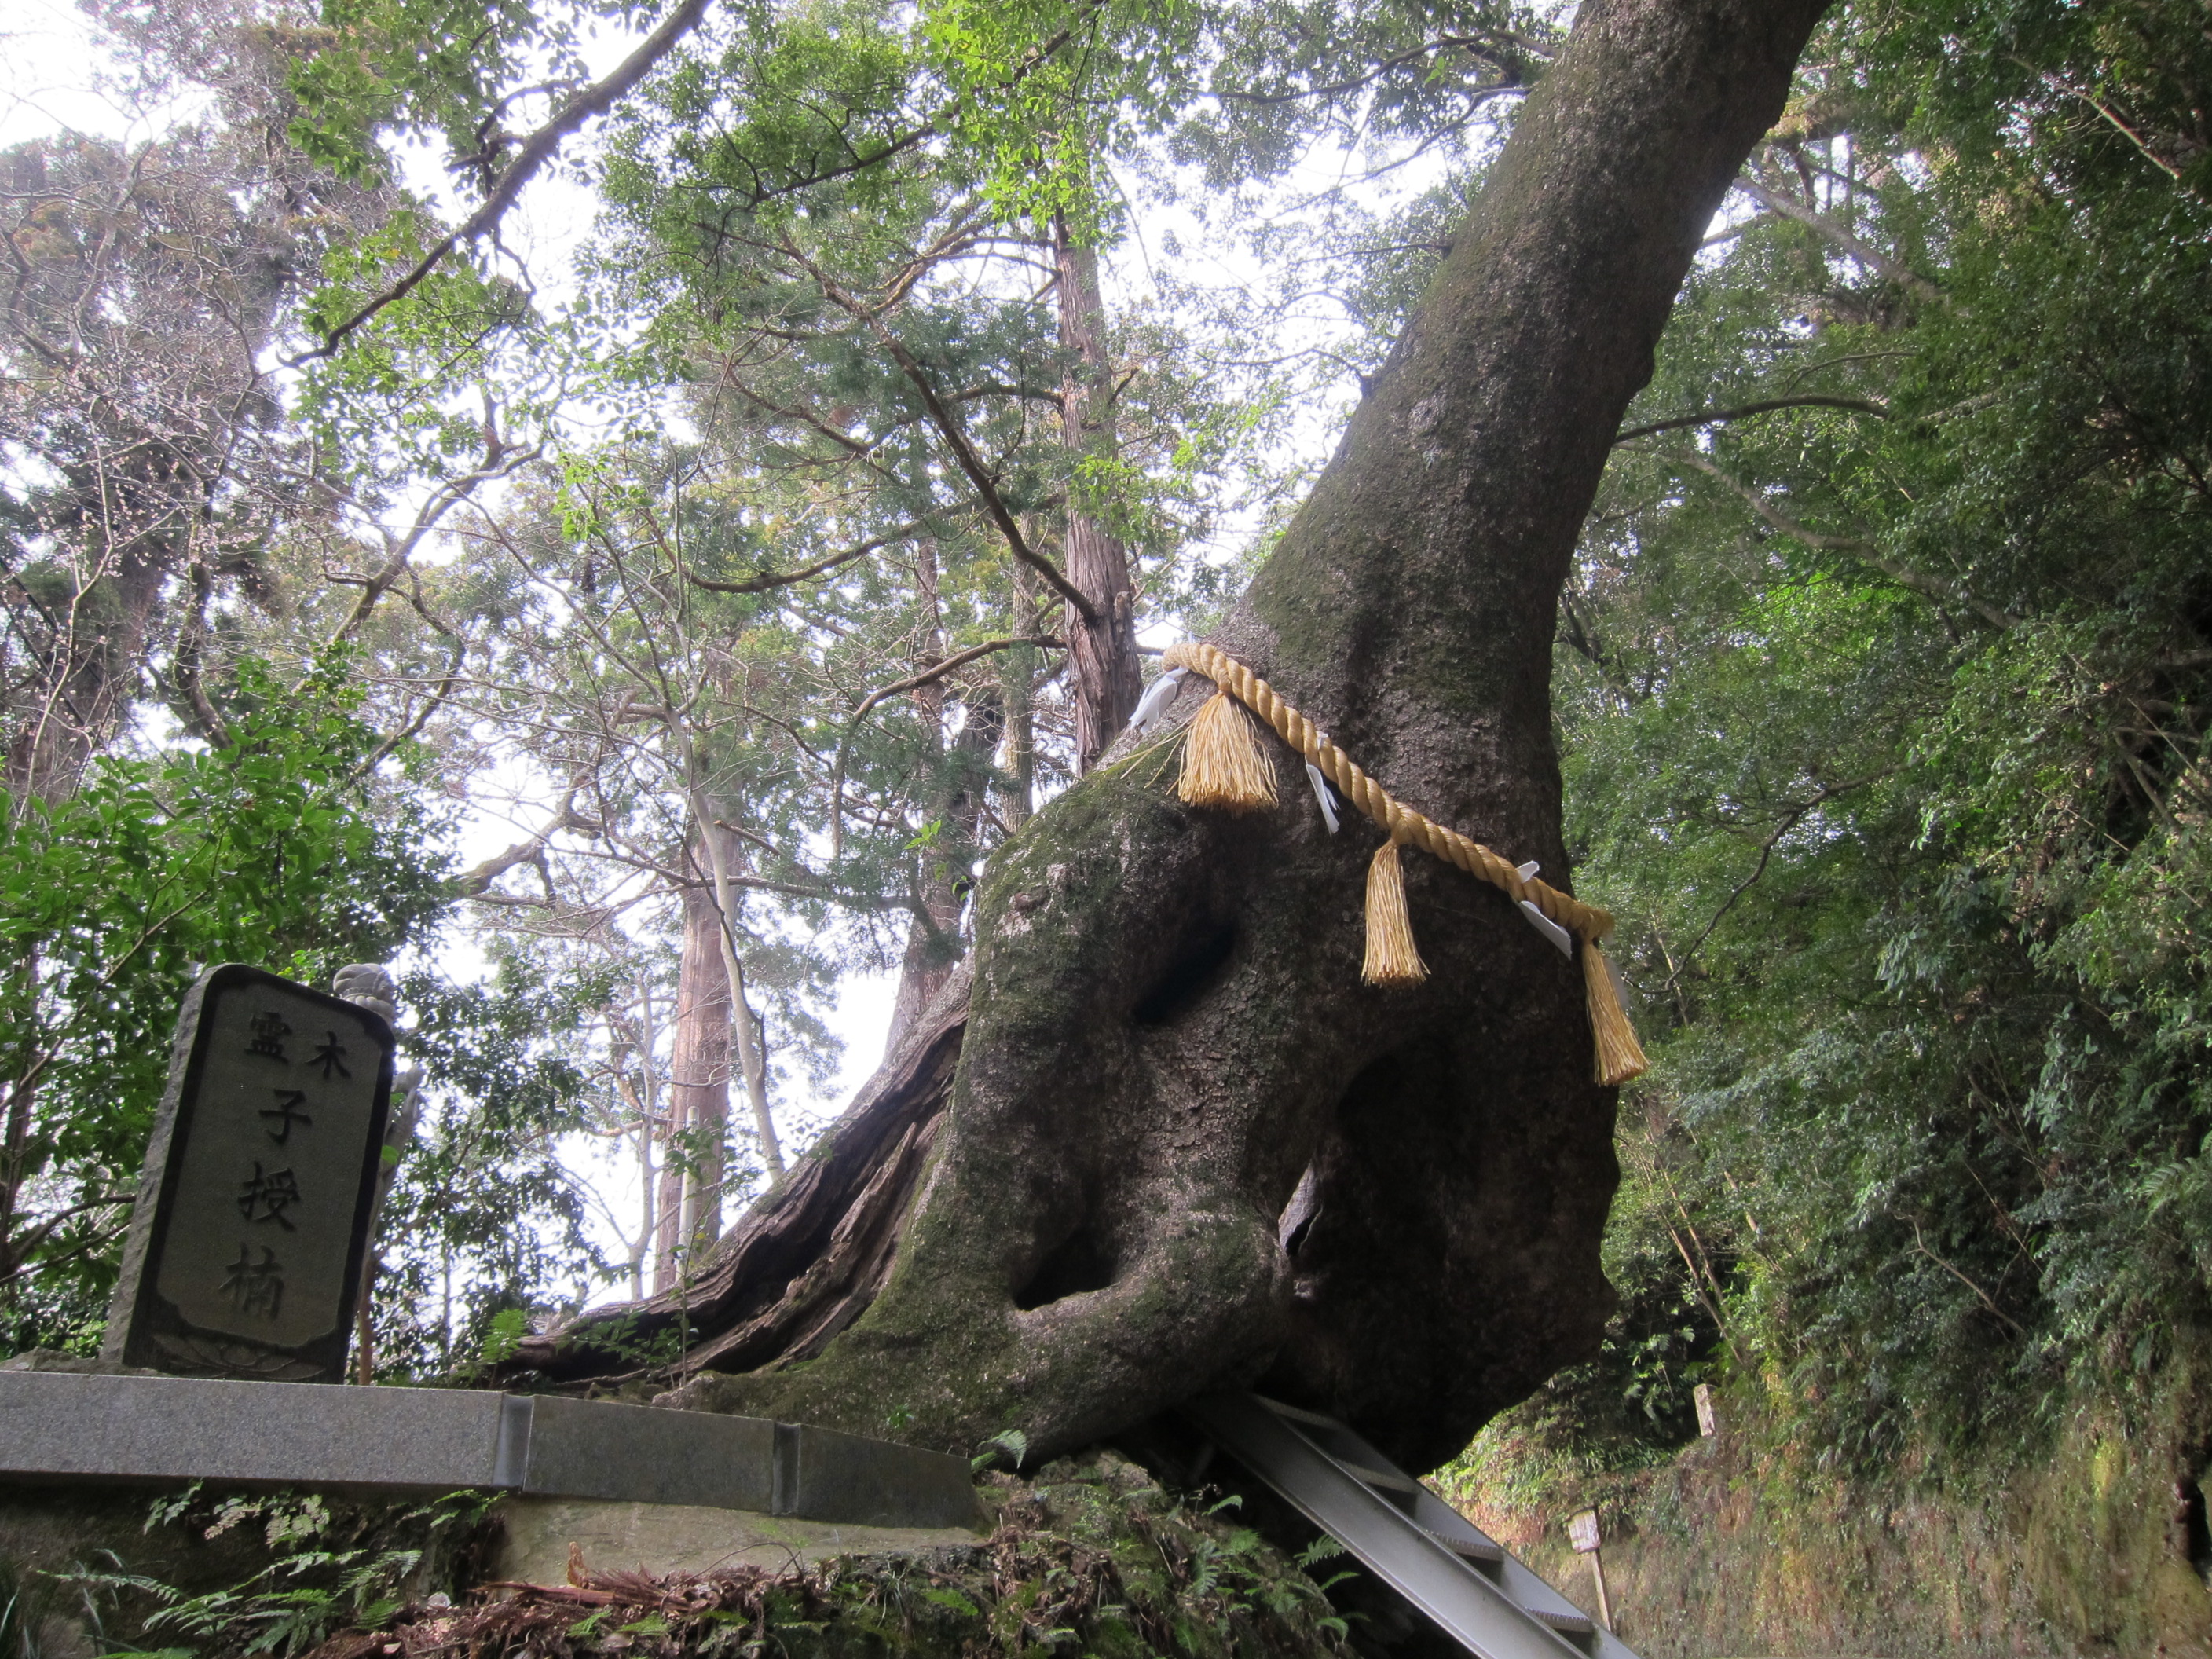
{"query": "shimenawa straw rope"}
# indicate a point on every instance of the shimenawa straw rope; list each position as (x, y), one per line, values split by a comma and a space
(1224, 766)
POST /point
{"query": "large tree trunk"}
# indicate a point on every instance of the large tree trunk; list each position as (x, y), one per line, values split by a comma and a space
(1102, 648)
(94, 644)
(1167, 1031)
(691, 1166)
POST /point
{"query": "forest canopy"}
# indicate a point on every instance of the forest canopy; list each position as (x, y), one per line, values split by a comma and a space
(924, 370)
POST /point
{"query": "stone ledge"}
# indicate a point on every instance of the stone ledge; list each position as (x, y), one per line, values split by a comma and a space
(64, 1426)
(536, 1534)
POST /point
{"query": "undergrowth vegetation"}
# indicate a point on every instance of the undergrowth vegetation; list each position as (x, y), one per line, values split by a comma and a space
(1883, 687)
(1088, 1556)
(328, 1566)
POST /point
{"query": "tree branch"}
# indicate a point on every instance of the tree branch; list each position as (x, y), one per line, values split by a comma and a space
(499, 462)
(1791, 817)
(769, 580)
(431, 703)
(927, 676)
(955, 435)
(1478, 46)
(2097, 104)
(1982, 1296)
(960, 659)
(191, 641)
(1880, 264)
(538, 150)
(1765, 407)
(934, 126)
(475, 883)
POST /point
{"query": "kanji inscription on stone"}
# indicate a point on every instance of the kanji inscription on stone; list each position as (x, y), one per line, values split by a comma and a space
(245, 1246)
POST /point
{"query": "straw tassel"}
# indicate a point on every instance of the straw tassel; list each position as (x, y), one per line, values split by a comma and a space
(1223, 763)
(1392, 959)
(1620, 1056)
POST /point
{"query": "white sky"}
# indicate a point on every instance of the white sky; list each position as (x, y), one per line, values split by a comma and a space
(49, 60)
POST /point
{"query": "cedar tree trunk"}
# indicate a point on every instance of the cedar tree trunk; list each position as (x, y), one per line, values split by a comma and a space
(1061, 1205)
(1104, 648)
(689, 1214)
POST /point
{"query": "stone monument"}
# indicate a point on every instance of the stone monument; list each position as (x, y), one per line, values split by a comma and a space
(245, 1253)
(241, 1272)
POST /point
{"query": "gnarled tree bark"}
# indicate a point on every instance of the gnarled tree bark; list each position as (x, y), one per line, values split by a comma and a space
(1069, 1213)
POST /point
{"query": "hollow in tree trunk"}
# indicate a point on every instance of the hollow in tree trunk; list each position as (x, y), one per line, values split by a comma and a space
(1062, 1207)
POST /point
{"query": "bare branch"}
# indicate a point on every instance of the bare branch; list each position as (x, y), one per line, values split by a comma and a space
(475, 883)
(1982, 1296)
(769, 580)
(498, 463)
(1874, 260)
(1766, 406)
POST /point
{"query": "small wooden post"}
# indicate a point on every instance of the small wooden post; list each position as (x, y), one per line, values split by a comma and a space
(1708, 1422)
(1583, 1534)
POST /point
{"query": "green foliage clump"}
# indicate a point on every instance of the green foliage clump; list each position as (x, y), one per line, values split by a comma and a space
(287, 848)
(1883, 700)
(113, 899)
(485, 1224)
